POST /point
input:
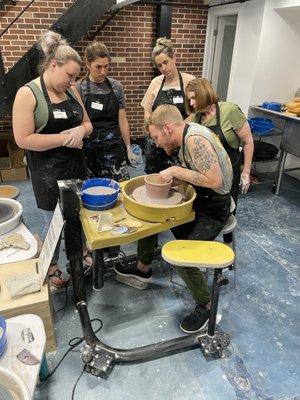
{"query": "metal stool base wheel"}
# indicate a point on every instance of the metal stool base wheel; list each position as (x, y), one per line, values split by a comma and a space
(210, 255)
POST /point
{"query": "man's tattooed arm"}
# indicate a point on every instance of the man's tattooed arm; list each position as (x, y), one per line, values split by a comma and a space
(204, 158)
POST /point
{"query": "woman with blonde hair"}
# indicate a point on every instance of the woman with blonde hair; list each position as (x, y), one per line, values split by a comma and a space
(50, 122)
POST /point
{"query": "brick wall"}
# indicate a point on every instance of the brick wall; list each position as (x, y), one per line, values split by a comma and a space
(129, 37)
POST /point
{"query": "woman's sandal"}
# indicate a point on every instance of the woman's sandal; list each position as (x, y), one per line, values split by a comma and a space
(88, 259)
(56, 278)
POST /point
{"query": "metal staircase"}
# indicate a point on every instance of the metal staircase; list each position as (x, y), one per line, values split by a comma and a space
(73, 24)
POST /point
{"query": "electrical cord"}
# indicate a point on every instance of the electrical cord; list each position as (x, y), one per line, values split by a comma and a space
(74, 342)
(63, 308)
(76, 383)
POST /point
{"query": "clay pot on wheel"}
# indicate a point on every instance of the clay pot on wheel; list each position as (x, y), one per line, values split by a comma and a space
(156, 188)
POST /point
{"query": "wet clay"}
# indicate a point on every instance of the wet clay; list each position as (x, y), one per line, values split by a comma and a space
(99, 190)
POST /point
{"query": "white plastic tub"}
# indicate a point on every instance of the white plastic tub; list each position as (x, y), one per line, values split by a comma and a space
(14, 221)
(14, 385)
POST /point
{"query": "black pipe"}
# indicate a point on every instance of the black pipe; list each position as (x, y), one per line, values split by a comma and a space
(98, 270)
(214, 302)
(73, 240)
(151, 351)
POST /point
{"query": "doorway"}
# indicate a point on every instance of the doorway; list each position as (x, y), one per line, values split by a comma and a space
(224, 35)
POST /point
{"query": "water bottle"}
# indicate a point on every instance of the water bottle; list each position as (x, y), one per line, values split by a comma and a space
(137, 151)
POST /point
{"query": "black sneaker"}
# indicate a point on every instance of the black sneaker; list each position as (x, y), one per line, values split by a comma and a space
(197, 320)
(130, 270)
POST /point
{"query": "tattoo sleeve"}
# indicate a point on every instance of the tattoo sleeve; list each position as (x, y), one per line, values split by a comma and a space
(203, 158)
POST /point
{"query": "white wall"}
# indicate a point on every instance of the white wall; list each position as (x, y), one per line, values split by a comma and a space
(277, 74)
(266, 54)
(266, 60)
(245, 53)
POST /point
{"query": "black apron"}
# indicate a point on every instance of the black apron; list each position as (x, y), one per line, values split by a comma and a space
(103, 149)
(46, 167)
(156, 159)
(234, 154)
(211, 208)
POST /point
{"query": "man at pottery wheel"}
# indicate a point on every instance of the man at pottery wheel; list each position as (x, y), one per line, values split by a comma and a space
(205, 164)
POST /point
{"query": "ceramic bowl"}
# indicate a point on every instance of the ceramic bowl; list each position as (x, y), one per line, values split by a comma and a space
(14, 221)
(99, 191)
(156, 188)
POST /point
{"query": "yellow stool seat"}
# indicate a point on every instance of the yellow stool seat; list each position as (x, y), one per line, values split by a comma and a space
(197, 253)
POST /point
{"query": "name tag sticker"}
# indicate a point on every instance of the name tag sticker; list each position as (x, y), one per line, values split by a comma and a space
(58, 114)
(178, 100)
(97, 106)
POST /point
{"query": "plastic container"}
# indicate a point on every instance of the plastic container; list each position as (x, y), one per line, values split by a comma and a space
(3, 337)
(261, 125)
(13, 386)
(137, 151)
(100, 192)
(272, 105)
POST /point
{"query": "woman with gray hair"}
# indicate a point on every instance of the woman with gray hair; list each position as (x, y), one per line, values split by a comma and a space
(50, 122)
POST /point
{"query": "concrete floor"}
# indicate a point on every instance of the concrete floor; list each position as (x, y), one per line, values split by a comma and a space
(260, 315)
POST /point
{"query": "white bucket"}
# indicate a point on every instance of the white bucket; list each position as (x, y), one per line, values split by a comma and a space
(14, 221)
(11, 383)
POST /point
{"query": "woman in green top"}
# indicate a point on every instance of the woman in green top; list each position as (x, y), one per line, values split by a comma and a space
(229, 123)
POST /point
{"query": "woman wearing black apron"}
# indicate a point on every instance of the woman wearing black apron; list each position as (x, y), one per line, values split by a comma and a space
(50, 122)
(228, 122)
(168, 88)
(104, 101)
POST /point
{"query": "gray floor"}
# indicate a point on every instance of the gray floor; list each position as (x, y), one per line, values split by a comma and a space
(260, 315)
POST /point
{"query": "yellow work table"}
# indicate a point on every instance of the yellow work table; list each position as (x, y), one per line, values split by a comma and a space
(98, 240)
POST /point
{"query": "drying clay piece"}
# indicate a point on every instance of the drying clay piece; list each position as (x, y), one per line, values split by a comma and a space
(139, 194)
(16, 241)
(131, 223)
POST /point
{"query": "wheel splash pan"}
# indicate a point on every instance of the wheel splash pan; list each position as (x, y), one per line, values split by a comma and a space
(157, 213)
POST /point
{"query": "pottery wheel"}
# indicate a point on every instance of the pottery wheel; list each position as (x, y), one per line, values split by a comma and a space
(140, 195)
(7, 211)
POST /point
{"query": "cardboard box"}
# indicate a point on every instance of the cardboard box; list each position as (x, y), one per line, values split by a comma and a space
(5, 161)
(16, 155)
(38, 303)
(14, 174)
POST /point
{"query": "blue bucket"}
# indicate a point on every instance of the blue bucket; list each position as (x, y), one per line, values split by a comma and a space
(98, 199)
(3, 338)
(261, 125)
